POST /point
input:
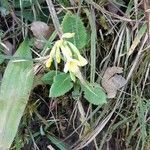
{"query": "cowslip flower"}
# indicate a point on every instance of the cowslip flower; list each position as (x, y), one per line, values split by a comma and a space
(55, 53)
(81, 59)
(68, 35)
(65, 50)
(73, 67)
(73, 64)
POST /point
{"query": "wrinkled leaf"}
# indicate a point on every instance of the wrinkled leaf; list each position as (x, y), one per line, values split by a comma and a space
(62, 84)
(15, 89)
(94, 94)
(73, 24)
(111, 81)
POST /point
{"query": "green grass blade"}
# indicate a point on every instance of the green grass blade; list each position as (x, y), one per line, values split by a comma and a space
(15, 89)
(58, 143)
(91, 17)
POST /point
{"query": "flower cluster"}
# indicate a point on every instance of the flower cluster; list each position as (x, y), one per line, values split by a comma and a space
(65, 50)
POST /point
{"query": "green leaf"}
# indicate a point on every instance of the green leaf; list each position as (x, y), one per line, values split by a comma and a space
(4, 7)
(49, 77)
(137, 39)
(94, 94)
(73, 24)
(14, 93)
(4, 12)
(61, 145)
(27, 14)
(65, 3)
(62, 84)
(25, 3)
(1, 58)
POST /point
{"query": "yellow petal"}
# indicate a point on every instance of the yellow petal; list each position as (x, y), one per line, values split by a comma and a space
(48, 63)
(73, 48)
(71, 66)
(58, 55)
(53, 50)
(66, 51)
(82, 61)
(59, 43)
(52, 54)
(66, 68)
(68, 35)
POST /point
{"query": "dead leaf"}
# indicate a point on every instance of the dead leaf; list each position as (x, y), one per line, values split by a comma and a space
(8, 47)
(41, 30)
(50, 147)
(38, 44)
(76, 1)
(111, 81)
(114, 7)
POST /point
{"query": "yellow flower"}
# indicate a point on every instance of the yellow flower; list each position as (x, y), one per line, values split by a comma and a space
(73, 48)
(71, 56)
(58, 55)
(52, 53)
(68, 35)
(55, 53)
(73, 68)
(48, 63)
(82, 60)
(72, 65)
(66, 51)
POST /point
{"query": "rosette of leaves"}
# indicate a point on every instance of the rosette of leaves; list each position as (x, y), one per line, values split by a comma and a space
(61, 83)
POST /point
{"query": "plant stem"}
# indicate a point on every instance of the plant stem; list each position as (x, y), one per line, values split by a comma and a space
(91, 17)
(54, 18)
(147, 13)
